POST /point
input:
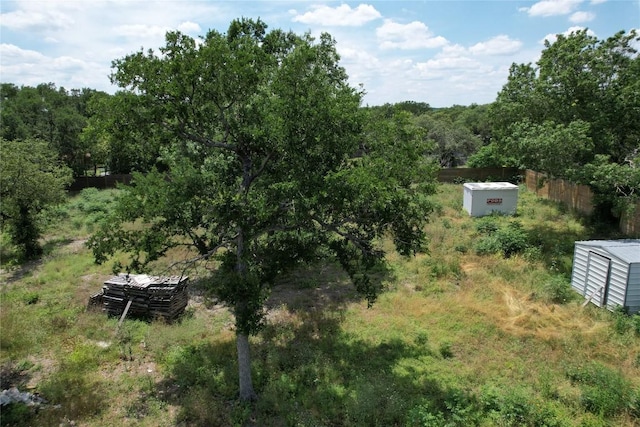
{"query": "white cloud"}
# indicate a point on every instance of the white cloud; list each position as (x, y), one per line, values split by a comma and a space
(414, 35)
(499, 45)
(581, 16)
(36, 20)
(342, 15)
(189, 27)
(447, 63)
(552, 7)
(140, 31)
(27, 67)
(551, 38)
(598, 1)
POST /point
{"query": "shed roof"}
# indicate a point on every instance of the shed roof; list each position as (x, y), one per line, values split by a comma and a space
(490, 186)
(627, 250)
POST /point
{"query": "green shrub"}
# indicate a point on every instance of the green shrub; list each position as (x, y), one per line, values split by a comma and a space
(558, 290)
(455, 408)
(486, 225)
(507, 240)
(603, 391)
(16, 414)
(445, 350)
(516, 407)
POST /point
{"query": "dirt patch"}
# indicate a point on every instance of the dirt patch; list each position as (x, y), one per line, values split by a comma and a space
(75, 246)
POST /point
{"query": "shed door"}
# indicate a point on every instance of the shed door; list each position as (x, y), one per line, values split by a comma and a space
(597, 282)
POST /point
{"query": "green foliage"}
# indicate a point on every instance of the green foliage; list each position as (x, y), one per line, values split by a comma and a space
(50, 114)
(557, 289)
(31, 179)
(490, 156)
(121, 133)
(604, 391)
(557, 149)
(574, 115)
(509, 240)
(516, 406)
(624, 322)
(451, 142)
(16, 414)
(262, 173)
(608, 178)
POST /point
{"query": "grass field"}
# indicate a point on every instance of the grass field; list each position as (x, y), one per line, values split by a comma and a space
(483, 330)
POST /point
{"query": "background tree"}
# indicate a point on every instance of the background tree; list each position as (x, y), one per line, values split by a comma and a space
(259, 130)
(31, 178)
(56, 116)
(452, 142)
(121, 134)
(579, 106)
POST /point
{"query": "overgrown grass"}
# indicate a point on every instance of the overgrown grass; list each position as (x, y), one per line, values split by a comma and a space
(482, 331)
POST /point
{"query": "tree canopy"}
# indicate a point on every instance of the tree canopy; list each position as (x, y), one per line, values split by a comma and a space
(31, 178)
(50, 114)
(269, 165)
(575, 115)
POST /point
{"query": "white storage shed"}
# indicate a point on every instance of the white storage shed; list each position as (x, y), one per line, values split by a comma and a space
(484, 198)
(607, 273)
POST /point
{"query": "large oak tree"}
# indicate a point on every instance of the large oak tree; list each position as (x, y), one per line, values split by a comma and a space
(268, 167)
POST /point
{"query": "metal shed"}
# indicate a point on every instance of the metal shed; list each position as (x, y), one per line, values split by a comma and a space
(484, 198)
(607, 273)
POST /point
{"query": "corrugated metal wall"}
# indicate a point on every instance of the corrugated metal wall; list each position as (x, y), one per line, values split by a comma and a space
(594, 267)
(633, 289)
(597, 277)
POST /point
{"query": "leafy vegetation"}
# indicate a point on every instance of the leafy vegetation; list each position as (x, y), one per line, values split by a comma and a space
(263, 172)
(574, 115)
(264, 167)
(49, 114)
(31, 179)
(481, 342)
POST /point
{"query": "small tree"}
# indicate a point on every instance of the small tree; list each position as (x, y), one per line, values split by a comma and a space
(31, 178)
(260, 131)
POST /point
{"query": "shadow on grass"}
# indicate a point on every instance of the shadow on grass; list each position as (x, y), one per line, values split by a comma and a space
(13, 268)
(556, 246)
(306, 369)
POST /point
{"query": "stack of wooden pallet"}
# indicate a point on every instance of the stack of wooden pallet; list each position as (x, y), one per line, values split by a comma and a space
(146, 296)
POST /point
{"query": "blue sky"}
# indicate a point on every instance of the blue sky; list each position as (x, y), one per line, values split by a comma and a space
(439, 52)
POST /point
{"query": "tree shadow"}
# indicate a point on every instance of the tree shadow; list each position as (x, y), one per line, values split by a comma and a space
(307, 369)
(12, 268)
(556, 246)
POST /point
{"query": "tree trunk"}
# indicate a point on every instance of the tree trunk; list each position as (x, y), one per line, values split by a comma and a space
(244, 368)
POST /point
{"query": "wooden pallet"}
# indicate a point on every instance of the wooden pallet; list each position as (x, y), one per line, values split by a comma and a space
(147, 296)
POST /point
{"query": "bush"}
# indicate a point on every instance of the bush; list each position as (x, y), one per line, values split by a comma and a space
(603, 391)
(16, 414)
(558, 290)
(455, 409)
(508, 240)
(515, 407)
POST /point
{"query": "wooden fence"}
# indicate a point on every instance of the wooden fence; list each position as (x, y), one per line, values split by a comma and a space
(480, 174)
(578, 198)
(106, 181)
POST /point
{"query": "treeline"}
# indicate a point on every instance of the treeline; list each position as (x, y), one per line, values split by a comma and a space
(55, 115)
(89, 128)
(575, 114)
